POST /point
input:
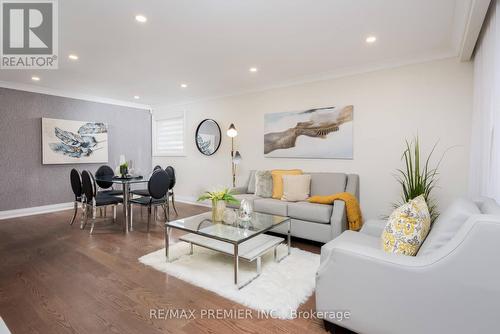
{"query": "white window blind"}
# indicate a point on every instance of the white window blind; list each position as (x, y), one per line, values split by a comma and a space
(169, 136)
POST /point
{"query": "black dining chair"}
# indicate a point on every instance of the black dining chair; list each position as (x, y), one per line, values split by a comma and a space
(76, 185)
(158, 188)
(94, 200)
(171, 172)
(106, 187)
(144, 192)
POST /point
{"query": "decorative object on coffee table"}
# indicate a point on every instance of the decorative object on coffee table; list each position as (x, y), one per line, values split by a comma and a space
(235, 155)
(246, 209)
(219, 199)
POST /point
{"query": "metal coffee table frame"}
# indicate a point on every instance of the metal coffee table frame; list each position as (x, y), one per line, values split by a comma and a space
(235, 244)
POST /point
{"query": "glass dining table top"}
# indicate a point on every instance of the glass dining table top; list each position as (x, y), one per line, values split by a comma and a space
(237, 231)
(120, 180)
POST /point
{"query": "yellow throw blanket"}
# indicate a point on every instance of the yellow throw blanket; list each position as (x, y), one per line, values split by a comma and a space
(352, 207)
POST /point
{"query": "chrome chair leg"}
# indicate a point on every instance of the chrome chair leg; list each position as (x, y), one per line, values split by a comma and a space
(74, 214)
(173, 203)
(164, 206)
(168, 209)
(82, 214)
(94, 211)
(85, 217)
(114, 214)
(149, 216)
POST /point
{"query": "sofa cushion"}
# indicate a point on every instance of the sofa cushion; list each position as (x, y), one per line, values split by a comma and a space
(447, 225)
(488, 206)
(240, 197)
(319, 213)
(271, 206)
(251, 183)
(263, 183)
(296, 187)
(407, 228)
(327, 183)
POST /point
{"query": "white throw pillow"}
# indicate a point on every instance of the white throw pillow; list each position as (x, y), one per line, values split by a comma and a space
(296, 187)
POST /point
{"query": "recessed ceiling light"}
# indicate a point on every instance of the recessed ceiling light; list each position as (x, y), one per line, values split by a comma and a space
(35, 78)
(183, 85)
(141, 18)
(137, 97)
(371, 39)
(253, 69)
(73, 57)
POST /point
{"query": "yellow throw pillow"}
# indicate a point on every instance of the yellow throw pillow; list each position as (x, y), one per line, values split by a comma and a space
(277, 175)
(407, 228)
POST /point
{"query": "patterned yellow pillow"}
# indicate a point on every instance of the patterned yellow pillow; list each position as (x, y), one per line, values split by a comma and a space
(407, 228)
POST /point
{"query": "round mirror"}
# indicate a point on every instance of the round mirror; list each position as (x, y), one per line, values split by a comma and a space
(208, 137)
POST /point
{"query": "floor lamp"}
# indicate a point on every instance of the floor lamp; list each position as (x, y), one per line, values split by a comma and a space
(235, 155)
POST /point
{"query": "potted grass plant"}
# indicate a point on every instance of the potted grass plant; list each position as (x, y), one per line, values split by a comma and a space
(416, 178)
(219, 199)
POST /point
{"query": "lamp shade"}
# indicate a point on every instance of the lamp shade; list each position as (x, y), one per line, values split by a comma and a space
(231, 132)
(237, 158)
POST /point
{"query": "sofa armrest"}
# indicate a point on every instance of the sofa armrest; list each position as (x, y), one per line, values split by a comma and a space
(239, 190)
(374, 227)
(338, 221)
(352, 185)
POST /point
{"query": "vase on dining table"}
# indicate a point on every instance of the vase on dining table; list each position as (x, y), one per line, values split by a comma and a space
(218, 208)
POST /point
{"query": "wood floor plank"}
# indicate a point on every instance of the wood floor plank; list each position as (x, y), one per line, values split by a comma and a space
(56, 278)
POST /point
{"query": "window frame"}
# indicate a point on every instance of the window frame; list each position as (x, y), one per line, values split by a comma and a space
(157, 117)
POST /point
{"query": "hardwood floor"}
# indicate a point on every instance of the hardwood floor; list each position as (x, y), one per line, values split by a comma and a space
(56, 278)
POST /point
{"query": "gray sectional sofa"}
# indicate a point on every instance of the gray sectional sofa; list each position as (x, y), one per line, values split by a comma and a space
(318, 222)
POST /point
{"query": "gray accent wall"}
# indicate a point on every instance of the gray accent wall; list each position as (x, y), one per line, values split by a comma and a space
(24, 181)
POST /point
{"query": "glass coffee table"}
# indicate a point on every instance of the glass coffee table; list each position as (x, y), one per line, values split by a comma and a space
(243, 240)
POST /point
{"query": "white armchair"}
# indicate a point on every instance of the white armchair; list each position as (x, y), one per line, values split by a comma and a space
(451, 286)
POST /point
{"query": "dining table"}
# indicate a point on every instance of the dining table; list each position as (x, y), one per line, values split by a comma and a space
(125, 182)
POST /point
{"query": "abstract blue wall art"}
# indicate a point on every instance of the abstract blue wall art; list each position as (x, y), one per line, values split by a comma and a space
(73, 142)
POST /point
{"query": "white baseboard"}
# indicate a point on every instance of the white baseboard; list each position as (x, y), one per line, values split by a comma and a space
(35, 210)
(191, 200)
(66, 206)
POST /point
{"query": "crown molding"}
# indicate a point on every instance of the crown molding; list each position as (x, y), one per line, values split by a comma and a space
(72, 95)
(474, 22)
(311, 79)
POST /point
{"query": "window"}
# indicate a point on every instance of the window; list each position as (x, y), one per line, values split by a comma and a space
(168, 135)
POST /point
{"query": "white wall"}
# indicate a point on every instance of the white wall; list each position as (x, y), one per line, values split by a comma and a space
(432, 99)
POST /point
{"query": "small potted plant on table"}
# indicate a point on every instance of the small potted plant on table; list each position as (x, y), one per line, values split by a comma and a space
(219, 200)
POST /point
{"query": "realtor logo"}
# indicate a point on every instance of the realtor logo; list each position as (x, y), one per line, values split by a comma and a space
(29, 34)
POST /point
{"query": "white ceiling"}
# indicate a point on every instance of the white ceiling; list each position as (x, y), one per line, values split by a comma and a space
(211, 44)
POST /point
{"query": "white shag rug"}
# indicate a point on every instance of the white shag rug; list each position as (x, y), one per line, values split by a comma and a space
(279, 290)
